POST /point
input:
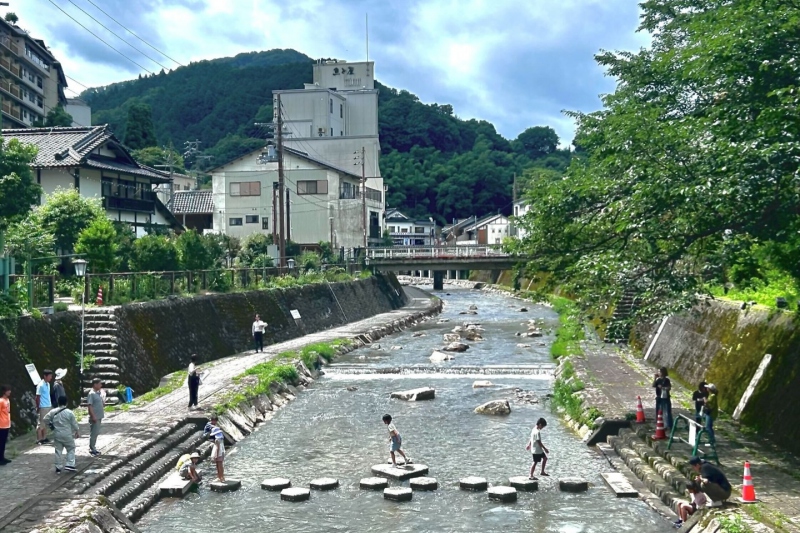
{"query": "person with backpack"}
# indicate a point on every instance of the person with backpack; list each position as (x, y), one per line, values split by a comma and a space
(57, 389)
(64, 425)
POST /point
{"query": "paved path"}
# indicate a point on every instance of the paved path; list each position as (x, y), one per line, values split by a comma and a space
(32, 473)
(620, 377)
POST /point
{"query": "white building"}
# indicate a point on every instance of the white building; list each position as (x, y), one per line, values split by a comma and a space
(487, 230)
(324, 201)
(406, 231)
(93, 161)
(521, 208)
(80, 111)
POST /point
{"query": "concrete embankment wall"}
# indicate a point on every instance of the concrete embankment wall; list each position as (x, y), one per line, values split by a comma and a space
(157, 338)
(723, 344)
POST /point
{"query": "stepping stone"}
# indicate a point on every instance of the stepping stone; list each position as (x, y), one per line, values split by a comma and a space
(228, 485)
(324, 483)
(373, 483)
(175, 486)
(620, 485)
(473, 483)
(423, 483)
(482, 384)
(522, 483)
(278, 483)
(400, 473)
(415, 395)
(398, 494)
(573, 484)
(295, 494)
(503, 494)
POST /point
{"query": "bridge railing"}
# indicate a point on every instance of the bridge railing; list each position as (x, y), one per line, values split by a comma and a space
(436, 252)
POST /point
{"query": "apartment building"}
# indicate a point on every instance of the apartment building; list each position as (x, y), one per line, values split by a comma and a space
(407, 231)
(32, 81)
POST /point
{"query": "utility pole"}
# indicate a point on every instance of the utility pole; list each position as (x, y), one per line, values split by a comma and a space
(281, 186)
(363, 192)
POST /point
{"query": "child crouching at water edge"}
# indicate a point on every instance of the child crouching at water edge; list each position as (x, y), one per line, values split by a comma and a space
(699, 501)
(395, 441)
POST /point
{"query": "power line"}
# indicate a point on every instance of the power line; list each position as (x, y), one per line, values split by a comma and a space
(99, 38)
(117, 36)
(129, 31)
(76, 81)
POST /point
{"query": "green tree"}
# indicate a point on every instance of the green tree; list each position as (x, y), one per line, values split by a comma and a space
(57, 116)
(155, 253)
(160, 156)
(11, 18)
(125, 239)
(255, 251)
(29, 237)
(222, 248)
(98, 243)
(537, 141)
(193, 251)
(66, 213)
(139, 130)
(18, 190)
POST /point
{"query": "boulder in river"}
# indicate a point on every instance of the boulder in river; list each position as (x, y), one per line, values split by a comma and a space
(495, 407)
(458, 329)
(443, 320)
(523, 345)
(472, 335)
(419, 334)
(534, 333)
(456, 347)
(397, 347)
(440, 357)
(473, 307)
(482, 384)
(523, 309)
(452, 337)
(415, 395)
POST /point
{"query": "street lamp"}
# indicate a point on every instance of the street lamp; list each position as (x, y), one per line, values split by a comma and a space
(290, 263)
(366, 264)
(80, 271)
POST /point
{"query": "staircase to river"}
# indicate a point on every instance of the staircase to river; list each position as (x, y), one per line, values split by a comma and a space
(100, 342)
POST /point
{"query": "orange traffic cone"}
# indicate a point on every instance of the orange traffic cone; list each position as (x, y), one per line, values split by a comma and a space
(660, 433)
(639, 411)
(748, 490)
(100, 296)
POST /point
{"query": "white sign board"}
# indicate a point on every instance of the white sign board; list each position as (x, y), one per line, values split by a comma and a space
(295, 314)
(692, 434)
(32, 372)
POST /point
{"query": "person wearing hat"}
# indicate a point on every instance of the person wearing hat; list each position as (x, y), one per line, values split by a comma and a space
(188, 468)
(57, 387)
(43, 406)
(710, 411)
(712, 481)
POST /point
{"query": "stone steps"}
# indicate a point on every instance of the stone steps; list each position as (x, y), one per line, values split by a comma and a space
(107, 375)
(100, 337)
(108, 328)
(103, 359)
(101, 350)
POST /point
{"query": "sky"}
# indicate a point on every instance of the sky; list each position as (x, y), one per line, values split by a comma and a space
(514, 63)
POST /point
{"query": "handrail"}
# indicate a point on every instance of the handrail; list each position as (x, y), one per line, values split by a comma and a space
(437, 252)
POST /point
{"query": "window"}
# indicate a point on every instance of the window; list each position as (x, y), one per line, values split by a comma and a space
(391, 229)
(39, 81)
(234, 221)
(312, 187)
(419, 229)
(251, 219)
(246, 188)
(185, 187)
(331, 106)
(341, 110)
(331, 132)
(265, 223)
(39, 101)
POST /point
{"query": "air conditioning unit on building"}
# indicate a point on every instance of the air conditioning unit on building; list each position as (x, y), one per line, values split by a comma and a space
(321, 131)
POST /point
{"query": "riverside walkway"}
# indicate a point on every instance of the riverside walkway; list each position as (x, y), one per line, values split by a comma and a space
(30, 479)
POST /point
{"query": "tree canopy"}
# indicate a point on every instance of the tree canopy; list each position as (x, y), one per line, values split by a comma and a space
(139, 130)
(695, 150)
(18, 190)
(66, 214)
(57, 116)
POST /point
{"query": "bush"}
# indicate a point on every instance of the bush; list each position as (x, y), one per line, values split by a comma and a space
(309, 261)
(570, 332)
(60, 307)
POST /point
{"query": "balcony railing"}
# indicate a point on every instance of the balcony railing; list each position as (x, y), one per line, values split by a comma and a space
(9, 45)
(348, 191)
(11, 89)
(11, 67)
(129, 204)
(8, 109)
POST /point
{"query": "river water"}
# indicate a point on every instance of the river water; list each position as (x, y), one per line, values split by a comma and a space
(330, 431)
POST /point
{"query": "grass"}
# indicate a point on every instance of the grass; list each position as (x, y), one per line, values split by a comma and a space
(570, 331)
(174, 383)
(763, 292)
(734, 524)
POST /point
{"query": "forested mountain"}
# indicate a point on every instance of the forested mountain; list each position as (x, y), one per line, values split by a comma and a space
(433, 162)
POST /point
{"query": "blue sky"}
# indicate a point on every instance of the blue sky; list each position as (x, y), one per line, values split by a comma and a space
(514, 63)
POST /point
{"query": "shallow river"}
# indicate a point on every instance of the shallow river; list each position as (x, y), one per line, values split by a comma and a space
(330, 431)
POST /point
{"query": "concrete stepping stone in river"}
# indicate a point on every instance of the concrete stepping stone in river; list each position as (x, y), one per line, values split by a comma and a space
(400, 473)
(620, 485)
(503, 494)
(473, 483)
(275, 484)
(228, 485)
(573, 484)
(373, 483)
(523, 483)
(423, 483)
(324, 483)
(398, 494)
(295, 494)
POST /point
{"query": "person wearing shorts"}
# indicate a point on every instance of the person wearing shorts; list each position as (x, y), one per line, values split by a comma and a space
(43, 406)
(537, 448)
(218, 450)
(395, 442)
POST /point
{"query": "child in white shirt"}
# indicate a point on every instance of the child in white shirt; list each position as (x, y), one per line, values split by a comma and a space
(395, 441)
(699, 501)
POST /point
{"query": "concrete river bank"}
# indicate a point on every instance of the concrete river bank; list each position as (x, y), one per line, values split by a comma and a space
(334, 429)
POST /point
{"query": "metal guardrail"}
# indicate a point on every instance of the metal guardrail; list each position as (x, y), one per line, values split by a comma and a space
(436, 252)
(43, 288)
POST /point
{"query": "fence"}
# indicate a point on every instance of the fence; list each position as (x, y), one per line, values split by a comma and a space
(43, 289)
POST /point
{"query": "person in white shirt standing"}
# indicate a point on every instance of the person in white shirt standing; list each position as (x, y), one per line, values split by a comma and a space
(193, 380)
(538, 449)
(258, 333)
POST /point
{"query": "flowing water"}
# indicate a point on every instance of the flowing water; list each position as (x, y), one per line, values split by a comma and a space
(330, 431)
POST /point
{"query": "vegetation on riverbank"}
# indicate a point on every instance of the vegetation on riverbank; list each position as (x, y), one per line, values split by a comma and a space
(570, 331)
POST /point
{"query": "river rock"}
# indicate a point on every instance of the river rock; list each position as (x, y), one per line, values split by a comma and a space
(295, 494)
(495, 407)
(452, 337)
(523, 345)
(533, 333)
(457, 329)
(373, 483)
(419, 334)
(398, 494)
(228, 485)
(473, 483)
(352, 388)
(473, 307)
(440, 357)
(423, 483)
(443, 320)
(324, 483)
(482, 384)
(415, 395)
(472, 335)
(523, 309)
(573, 484)
(397, 347)
(503, 494)
(278, 483)
(456, 347)
(523, 483)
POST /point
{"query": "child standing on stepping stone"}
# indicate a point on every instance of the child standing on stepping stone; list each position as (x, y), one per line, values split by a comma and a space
(538, 449)
(218, 451)
(395, 441)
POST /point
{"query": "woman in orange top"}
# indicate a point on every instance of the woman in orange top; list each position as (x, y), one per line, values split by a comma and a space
(5, 421)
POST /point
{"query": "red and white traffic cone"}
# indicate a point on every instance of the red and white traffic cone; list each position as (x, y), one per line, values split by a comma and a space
(100, 296)
(748, 490)
(660, 433)
(640, 419)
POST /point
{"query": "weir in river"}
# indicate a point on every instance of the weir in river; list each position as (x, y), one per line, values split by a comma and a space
(334, 429)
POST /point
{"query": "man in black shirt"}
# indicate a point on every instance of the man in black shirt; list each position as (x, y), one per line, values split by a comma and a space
(663, 385)
(712, 481)
(699, 398)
